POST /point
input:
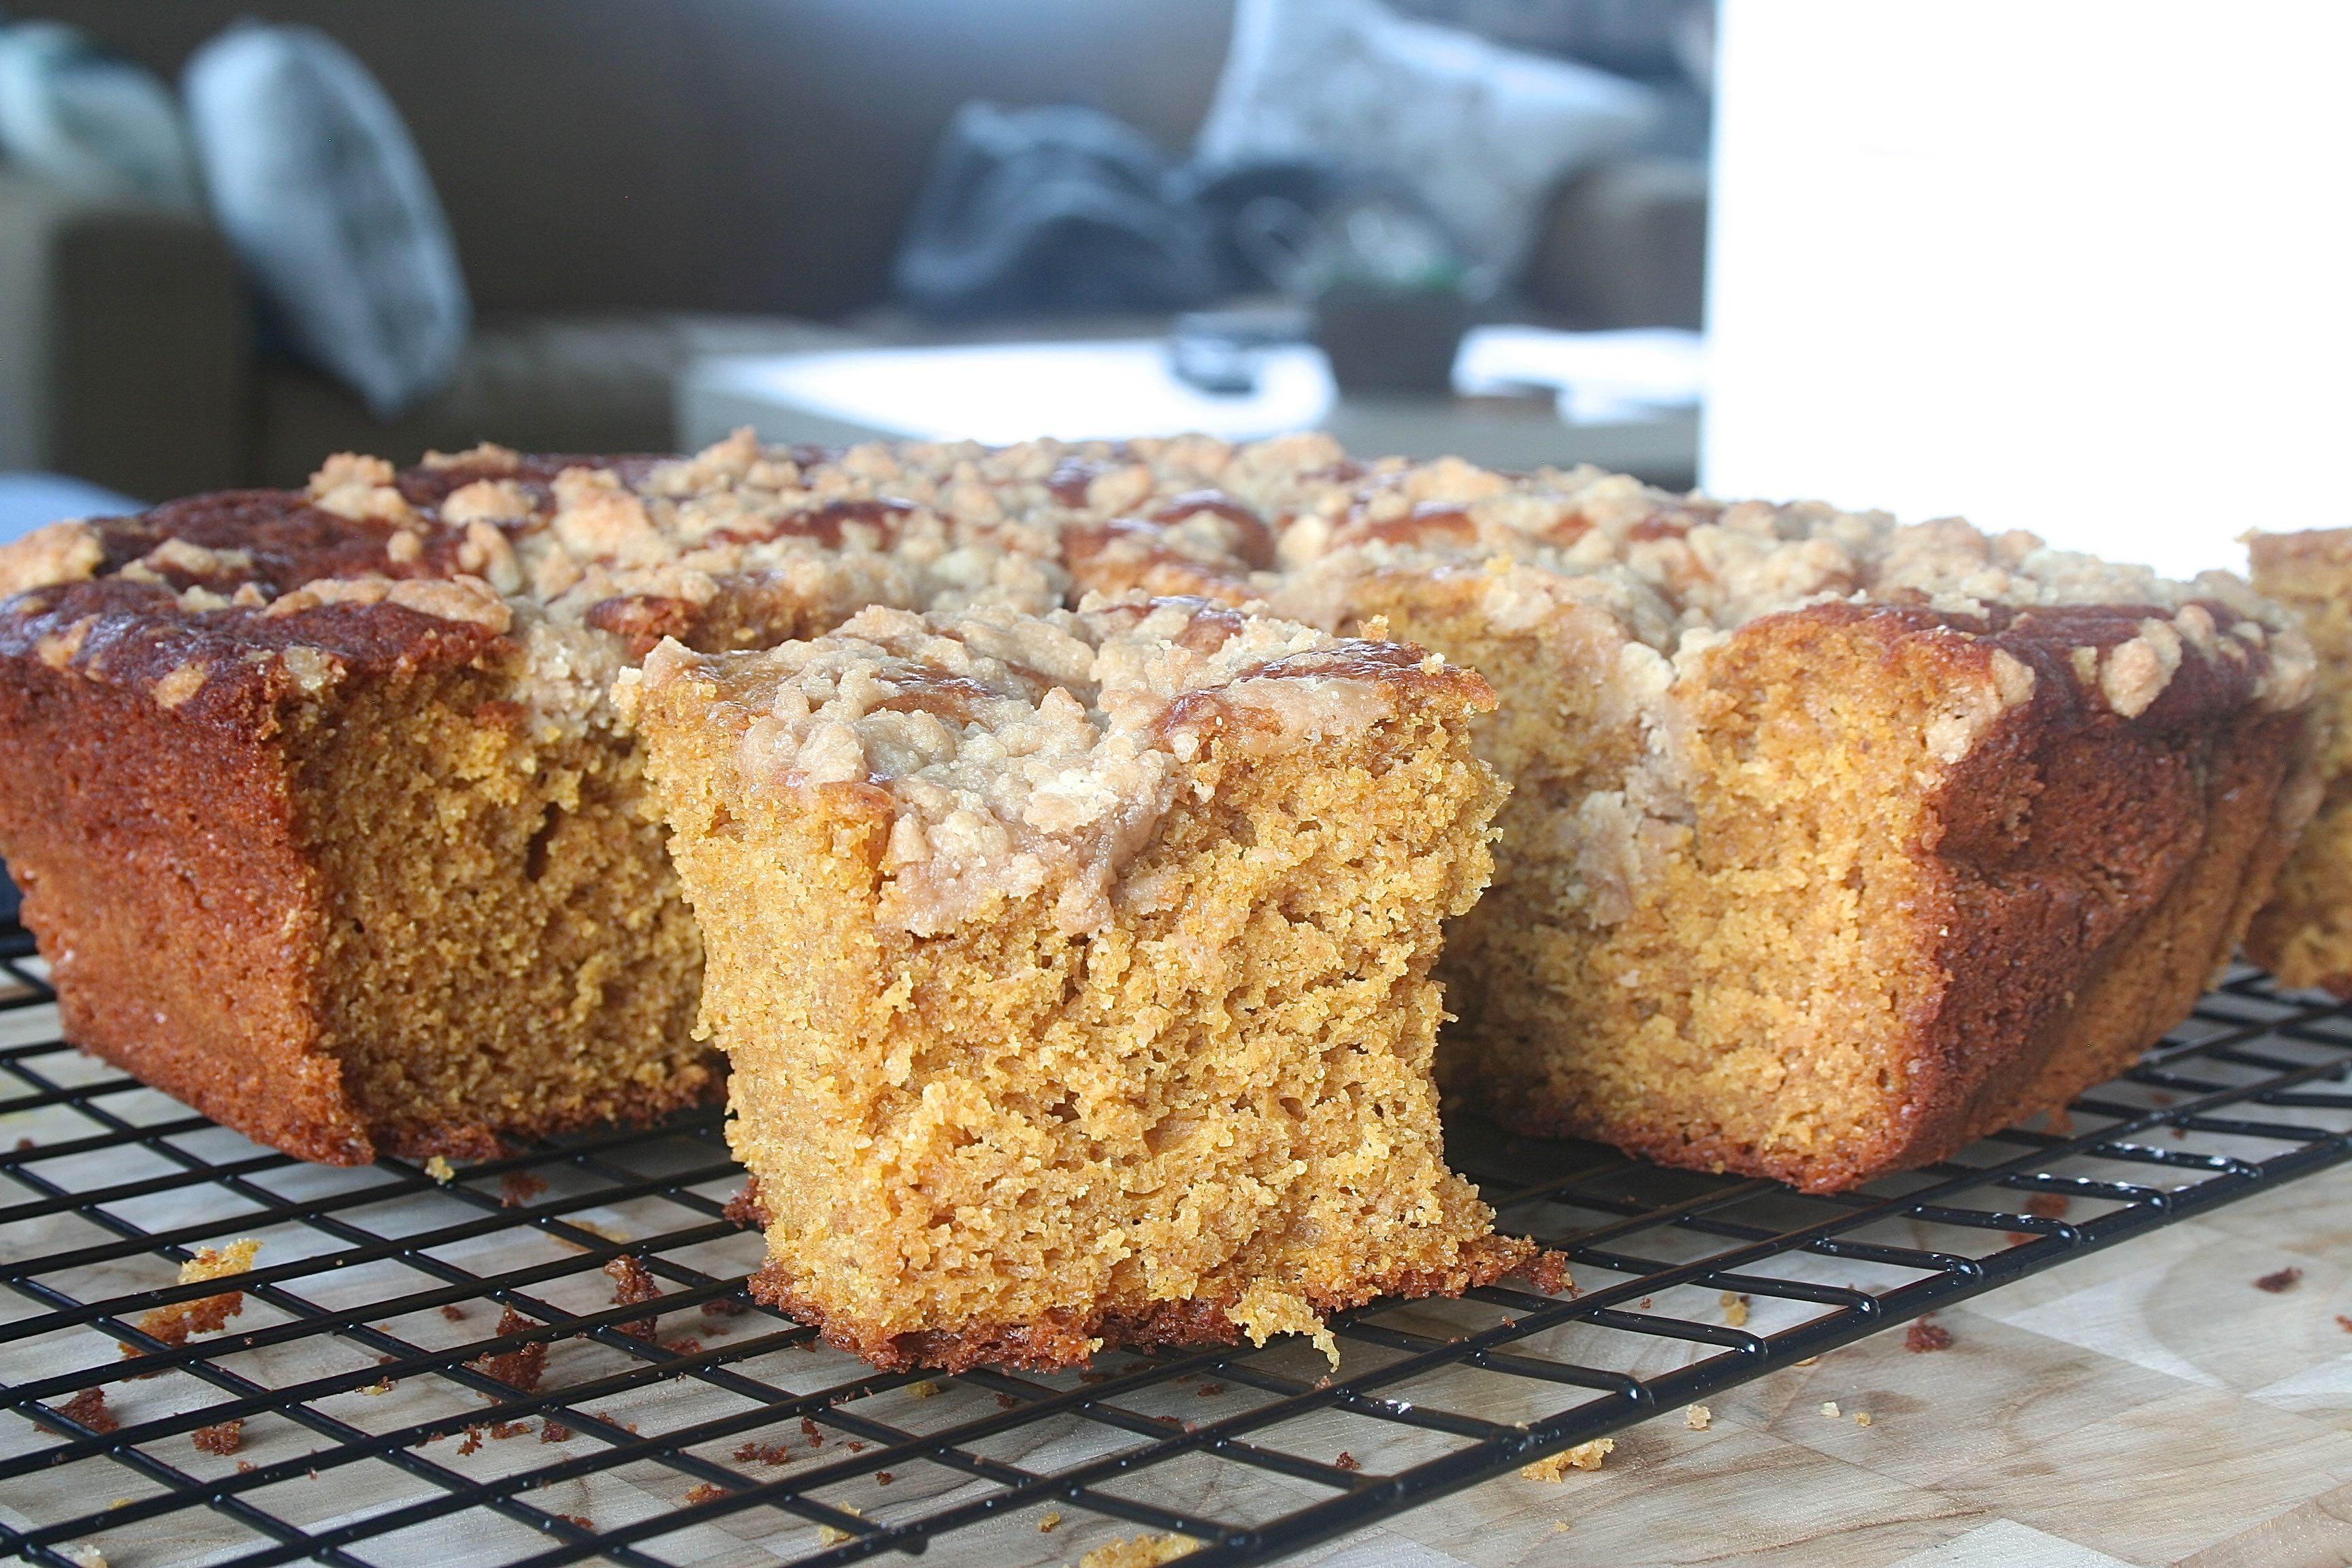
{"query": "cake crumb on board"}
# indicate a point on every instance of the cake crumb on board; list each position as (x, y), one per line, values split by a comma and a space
(2281, 1281)
(1698, 1417)
(1140, 1551)
(1829, 1409)
(174, 1323)
(1583, 1457)
(1926, 1336)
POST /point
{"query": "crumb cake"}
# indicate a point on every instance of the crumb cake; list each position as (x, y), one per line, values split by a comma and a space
(1831, 844)
(2303, 936)
(1073, 970)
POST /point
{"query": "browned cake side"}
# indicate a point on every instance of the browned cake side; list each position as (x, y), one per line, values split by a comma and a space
(2304, 935)
(1075, 973)
(315, 875)
(1859, 959)
(1831, 843)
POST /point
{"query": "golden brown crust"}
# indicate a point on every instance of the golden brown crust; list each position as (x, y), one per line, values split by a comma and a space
(1070, 1338)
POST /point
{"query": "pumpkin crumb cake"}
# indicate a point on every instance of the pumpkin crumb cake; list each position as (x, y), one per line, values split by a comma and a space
(1073, 970)
(1832, 844)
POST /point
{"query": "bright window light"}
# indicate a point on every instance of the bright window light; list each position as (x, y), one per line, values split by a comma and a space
(2071, 265)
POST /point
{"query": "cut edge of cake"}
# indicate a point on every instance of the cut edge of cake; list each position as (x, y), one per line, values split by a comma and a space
(1165, 1077)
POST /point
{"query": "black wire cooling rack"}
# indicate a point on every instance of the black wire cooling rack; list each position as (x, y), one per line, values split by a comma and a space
(551, 1358)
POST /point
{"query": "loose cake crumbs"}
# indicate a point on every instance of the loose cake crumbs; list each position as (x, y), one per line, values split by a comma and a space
(809, 1430)
(224, 1438)
(1050, 1523)
(703, 1494)
(630, 1286)
(2048, 1205)
(89, 1409)
(1697, 1416)
(1347, 1461)
(206, 1314)
(554, 1431)
(517, 1188)
(1007, 1402)
(440, 1170)
(884, 1477)
(924, 1388)
(1209, 1389)
(581, 1519)
(452, 1312)
(522, 1367)
(2286, 1280)
(1829, 1409)
(855, 1446)
(765, 1453)
(1926, 1336)
(1583, 1457)
(1862, 1417)
(473, 1442)
(1734, 1310)
(685, 1345)
(724, 1307)
(1142, 1552)
(2344, 1322)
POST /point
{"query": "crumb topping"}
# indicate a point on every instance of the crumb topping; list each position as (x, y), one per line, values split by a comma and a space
(61, 553)
(742, 544)
(1024, 753)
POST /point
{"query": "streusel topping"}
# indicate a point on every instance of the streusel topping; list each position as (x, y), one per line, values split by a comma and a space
(1021, 753)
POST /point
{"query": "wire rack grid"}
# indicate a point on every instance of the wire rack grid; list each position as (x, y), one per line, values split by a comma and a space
(551, 1358)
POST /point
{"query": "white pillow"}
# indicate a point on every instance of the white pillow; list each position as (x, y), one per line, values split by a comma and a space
(316, 183)
(1481, 132)
(86, 120)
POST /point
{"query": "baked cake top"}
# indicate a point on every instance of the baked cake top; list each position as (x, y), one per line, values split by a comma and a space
(584, 563)
(1016, 753)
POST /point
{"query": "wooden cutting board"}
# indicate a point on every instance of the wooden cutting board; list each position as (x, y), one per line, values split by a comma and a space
(2145, 1405)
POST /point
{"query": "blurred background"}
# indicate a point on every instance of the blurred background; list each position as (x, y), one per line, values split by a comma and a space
(2070, 270)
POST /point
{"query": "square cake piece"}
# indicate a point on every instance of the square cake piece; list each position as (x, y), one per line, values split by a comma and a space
(2304, 935)
(1073, 970)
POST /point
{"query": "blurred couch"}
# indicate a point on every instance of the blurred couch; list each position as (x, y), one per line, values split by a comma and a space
(630, 186)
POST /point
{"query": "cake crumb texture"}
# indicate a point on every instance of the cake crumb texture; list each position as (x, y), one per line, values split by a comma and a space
(1166, 1080)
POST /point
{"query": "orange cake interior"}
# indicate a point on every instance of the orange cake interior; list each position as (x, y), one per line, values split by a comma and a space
(1074, 971)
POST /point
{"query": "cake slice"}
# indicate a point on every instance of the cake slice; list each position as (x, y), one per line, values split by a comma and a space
(1073, 970)
(1832, 845)
(2304, 935)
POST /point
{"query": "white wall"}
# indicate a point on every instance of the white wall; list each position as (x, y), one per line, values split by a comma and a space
(2075, 266)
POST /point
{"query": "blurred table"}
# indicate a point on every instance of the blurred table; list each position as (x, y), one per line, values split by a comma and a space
(1115, 389)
